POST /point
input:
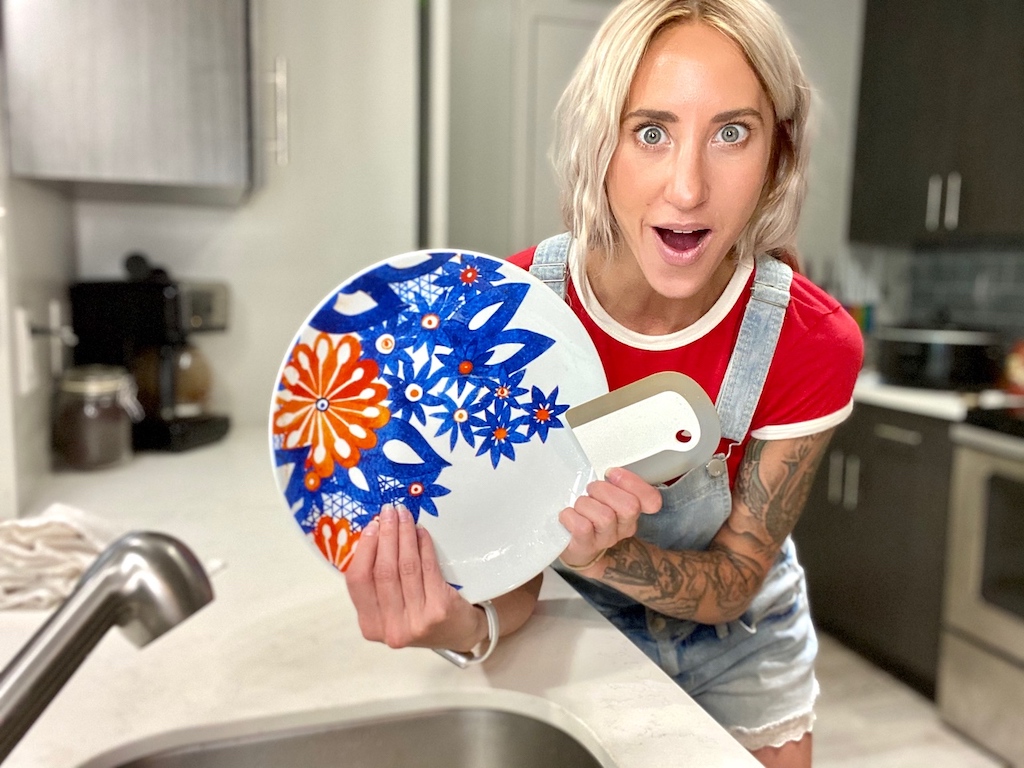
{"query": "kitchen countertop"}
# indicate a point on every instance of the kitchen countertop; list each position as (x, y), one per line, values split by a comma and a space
(940, 404)
(280, 643)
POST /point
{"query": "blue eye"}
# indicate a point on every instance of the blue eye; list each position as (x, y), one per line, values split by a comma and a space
(733, 133)
(651, 135)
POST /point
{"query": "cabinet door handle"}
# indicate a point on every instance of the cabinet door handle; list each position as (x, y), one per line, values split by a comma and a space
(851, 483)
(279, 80)
(952, 200)
(835, 477)
(931, 214)
(898, 434)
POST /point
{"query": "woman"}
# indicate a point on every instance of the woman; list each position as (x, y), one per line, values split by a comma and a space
(682, 154)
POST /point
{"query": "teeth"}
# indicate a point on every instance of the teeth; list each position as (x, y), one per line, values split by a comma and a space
(683, 231)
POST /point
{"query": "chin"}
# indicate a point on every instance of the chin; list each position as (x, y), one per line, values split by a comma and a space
(679, 287)
(689, 281)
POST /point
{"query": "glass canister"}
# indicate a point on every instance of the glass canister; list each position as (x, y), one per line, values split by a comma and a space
(92, 417)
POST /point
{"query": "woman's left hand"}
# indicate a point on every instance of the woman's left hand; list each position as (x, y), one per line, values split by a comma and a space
(607, 514)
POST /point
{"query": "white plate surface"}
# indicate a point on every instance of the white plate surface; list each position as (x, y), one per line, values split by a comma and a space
(439, 380)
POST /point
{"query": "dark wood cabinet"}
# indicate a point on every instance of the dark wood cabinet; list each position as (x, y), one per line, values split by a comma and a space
(990, 147)
(872, 539)
(941, 109)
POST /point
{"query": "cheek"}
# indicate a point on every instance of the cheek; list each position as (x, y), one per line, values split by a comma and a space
(745, 183)
(623, 185)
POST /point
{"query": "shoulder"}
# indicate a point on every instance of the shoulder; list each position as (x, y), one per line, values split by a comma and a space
(523, 259)
(818, 323)
(818, 357)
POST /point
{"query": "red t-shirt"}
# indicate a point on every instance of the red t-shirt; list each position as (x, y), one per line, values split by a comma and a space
(809, 387)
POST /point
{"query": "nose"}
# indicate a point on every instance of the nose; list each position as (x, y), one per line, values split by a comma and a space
(686, 186)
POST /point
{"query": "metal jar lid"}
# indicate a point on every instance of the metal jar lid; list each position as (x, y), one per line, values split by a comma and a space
(95, 380)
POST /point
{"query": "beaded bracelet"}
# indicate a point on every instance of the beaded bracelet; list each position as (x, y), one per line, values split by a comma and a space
(463, 660)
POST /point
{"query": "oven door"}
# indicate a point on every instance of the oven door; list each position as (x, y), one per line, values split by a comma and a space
(985, 568)
(981, 656)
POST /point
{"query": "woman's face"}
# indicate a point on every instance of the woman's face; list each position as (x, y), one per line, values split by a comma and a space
(691, 160)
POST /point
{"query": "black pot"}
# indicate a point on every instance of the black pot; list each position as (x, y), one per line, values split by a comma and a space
(968, 360)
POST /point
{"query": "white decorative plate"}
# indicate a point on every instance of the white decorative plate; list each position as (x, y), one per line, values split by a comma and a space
(439, 380)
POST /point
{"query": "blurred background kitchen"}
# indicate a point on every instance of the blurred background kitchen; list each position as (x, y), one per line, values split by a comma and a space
(252, 154)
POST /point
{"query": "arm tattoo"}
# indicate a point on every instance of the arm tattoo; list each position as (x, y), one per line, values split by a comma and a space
(676, 583)
(772, 486)
(775, 498)
(663, 579)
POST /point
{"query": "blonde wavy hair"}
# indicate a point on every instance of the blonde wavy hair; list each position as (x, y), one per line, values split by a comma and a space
(590, 110)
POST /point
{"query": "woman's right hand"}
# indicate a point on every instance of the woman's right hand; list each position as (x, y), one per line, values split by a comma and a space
(402, 599)
(606, 515)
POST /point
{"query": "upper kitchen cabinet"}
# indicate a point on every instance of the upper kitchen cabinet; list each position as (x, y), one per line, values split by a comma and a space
(941, 107)
(130, 95)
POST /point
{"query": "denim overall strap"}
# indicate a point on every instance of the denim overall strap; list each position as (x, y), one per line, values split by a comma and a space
(695, 506)
(755, 347)
(549, 262)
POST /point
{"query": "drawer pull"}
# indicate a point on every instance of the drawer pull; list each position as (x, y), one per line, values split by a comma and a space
(931, 215)
(835, 477)
(898, 434)
(851, 483)
(953, 182)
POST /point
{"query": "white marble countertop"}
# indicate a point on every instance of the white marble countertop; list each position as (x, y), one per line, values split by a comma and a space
(280, 646)
(940, 404)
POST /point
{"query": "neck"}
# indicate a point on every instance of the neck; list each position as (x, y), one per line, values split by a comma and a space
(621, 288)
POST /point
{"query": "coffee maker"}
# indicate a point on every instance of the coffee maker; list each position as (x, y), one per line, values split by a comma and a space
(143, 324)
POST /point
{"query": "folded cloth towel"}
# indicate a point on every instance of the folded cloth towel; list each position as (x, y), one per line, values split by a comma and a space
(43, 556)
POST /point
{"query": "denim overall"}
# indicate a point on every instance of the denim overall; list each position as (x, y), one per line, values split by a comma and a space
(721, 666)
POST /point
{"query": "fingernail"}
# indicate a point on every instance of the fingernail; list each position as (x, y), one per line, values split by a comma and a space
(372, 528)
(387, 513)
(403, 513)
(613, 475)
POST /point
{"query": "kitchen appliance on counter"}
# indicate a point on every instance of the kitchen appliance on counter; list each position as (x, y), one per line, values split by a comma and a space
(144, 323)
(981, 658)
(946, 358)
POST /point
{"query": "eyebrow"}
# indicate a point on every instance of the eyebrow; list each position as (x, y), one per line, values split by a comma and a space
(671, 117)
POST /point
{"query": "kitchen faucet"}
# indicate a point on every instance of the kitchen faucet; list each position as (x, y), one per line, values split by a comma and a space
(145, 582)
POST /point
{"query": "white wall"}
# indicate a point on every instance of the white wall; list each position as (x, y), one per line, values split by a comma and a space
(36, 262)
(827, 35)
(346, 199)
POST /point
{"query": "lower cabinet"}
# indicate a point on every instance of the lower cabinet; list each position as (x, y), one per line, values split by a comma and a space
(872, 539)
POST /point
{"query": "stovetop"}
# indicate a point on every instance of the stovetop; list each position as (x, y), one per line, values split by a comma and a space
(1009, 421)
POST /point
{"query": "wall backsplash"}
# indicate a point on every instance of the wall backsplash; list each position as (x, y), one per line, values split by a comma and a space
(973, 288)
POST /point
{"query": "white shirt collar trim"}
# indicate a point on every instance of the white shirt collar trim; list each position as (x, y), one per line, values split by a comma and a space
(680, 338)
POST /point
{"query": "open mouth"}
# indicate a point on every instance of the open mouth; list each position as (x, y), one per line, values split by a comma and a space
(681, 240)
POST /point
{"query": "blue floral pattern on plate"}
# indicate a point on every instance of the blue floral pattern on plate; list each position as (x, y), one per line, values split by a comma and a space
(405, 372)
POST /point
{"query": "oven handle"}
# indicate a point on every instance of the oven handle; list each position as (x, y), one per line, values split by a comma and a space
(987, 440)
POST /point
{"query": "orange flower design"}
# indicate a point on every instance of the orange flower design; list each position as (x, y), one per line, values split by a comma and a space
(330, 402)
(336, 540)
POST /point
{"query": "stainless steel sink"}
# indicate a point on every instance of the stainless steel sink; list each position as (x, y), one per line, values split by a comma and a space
(476, 737)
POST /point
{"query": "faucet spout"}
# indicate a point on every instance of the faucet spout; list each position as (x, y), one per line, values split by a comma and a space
(145, 582)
